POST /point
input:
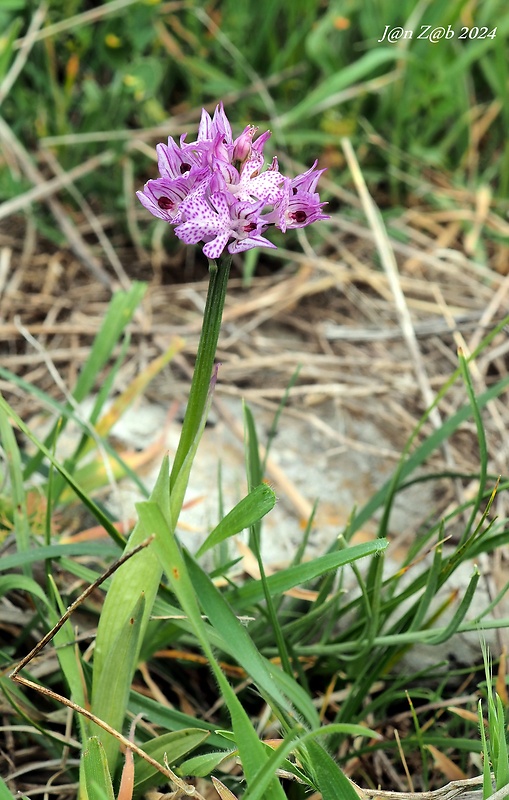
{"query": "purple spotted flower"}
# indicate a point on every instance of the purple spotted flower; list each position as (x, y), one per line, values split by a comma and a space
(217, 191)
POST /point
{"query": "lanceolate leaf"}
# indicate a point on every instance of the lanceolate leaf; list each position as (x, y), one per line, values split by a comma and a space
(112, 687)
(250, 510)
(174, 745)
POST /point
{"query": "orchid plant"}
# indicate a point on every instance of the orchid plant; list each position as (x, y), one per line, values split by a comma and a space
(216, 191)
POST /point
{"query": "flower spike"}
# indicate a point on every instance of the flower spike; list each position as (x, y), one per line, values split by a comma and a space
(216, 190)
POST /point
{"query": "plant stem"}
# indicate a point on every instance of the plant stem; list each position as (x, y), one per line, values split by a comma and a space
(219, 272)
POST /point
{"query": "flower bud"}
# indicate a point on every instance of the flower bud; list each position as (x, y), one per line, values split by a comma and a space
(242, 146)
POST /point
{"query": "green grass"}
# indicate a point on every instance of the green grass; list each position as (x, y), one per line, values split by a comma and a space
(328, 673)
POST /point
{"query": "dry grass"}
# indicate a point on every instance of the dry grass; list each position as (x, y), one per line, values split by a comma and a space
(360, 332)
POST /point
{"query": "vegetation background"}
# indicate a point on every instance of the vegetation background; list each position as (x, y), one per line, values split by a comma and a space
(86, 91)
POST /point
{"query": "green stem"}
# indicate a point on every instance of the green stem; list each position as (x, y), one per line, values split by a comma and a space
(205, 356)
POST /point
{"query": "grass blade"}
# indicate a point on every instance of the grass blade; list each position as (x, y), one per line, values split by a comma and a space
(481, 438)
(253, 592)
(20, 512)
(175, 745)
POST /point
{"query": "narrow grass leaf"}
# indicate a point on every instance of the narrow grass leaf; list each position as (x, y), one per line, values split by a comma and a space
(97, 775)
(462, 609)
(368, 63)
(254, 473)
(202, 766)
(9, 36)
(248, 511)
(330, 779)
(174, 746)
(62, 410)
(486, 768)
(423, 451)
(67, 655)
(299, 742)
(275, 422)
(429, 591)
(252, 593)
(88, 440)
(252, 453)
(296, 694)
(23, 583)
(500, 756)
(104, 390)
(86, 500)
(223, 619)
(17, 488)
(119, 314)
(173, 720)
(57, 551)
(481, 438)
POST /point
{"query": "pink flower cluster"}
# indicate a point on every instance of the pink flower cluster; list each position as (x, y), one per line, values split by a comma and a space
(216, 191)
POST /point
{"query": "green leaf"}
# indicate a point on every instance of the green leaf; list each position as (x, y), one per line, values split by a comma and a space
(409, 463)
(459, 615)
(64, 411)
(97, 774)
(172, 719)
(57, 551)
(17, 489)
(5, 794)
(486, 774)
(68, 658)
(249, 510)
(22, 583)
(300, 743)
(234, 633)
(481, 438)
(338, 81)
(9, 35)
(250, 594)
(175, 745)
(111, 689)
(332, 783)
(140, 575)
(500, 757)
(202, 766)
